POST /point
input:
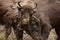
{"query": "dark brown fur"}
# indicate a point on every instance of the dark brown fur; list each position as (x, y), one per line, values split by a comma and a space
(9, 17)
(49, 15)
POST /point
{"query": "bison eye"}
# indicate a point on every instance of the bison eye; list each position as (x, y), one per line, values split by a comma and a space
(33, 12)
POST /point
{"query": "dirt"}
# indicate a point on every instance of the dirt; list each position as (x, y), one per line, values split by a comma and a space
(52, 36)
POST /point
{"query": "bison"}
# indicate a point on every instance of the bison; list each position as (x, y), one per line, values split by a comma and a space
(49, 15)
(8, 16)
(29, 22)
(20, 17)
(40, 24)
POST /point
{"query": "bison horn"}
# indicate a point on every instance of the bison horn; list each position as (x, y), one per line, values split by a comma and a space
(35, 5)
(19, 3)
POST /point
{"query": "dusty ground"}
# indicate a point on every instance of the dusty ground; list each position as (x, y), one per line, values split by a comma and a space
(52, 35)
(12, 35)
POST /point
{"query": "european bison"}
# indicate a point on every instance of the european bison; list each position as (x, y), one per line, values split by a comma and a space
(49, 15)
(19, 17)
(29, 22)
(8, 16)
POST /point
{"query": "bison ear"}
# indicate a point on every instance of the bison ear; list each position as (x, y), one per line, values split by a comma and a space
(34, 11)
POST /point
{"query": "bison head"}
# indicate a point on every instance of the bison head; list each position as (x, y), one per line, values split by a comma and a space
(26, 11)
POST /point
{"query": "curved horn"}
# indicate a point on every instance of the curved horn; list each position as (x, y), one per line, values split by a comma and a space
(35, 6)
(19, 3)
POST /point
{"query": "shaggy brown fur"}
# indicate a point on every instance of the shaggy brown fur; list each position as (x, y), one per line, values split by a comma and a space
(49, 15)
(9, 17)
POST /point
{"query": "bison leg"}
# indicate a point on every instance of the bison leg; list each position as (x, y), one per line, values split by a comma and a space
(8, 31)
(33, 34)
(34, 31)
(34, 28)
(19, 34)
(45, 28)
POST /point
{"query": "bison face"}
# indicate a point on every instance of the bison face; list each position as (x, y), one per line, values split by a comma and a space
(26, 12)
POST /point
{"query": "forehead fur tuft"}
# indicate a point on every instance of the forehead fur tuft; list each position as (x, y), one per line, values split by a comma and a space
(28, 3)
